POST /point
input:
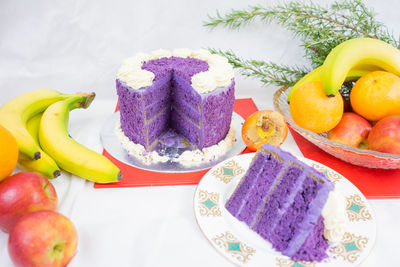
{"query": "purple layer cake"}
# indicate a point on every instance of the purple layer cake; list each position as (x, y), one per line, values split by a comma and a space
(189, 92)
(282, 199)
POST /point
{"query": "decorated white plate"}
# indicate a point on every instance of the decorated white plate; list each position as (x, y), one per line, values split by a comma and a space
(239, 244)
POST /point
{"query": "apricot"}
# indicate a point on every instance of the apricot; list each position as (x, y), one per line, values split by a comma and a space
(264, 126)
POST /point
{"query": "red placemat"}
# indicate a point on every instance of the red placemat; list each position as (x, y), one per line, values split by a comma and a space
(373, 183)
(133, 177)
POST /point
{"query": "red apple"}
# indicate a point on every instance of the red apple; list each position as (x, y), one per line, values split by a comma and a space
(42, 238)
(385, 135)
(22, 193)
(351, 130)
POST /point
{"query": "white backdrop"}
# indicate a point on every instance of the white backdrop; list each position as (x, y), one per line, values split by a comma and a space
(77, 46)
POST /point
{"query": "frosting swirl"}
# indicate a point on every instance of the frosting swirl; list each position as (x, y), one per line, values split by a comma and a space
(334, 216)
(223, 73)
(202, 54)
(132, 65)
(204, 82)
(156, 54)
(182, 52)
(139, 58)
(139, 79)
(219, 74)
(217, 59)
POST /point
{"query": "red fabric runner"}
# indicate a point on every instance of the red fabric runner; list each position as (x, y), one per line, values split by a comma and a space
(373, 183)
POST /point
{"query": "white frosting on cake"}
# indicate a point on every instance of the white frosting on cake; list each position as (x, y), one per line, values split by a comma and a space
(137, 59)
(187, 158)
(219, 74)
(159, 53)
(334, 216)
(125, 70)
(137, 150)
(222, 73)
(182, 52)
(133, 75)
(204, 82)
(139, 78)
(202, 54)
(216, 59)
(195, 157)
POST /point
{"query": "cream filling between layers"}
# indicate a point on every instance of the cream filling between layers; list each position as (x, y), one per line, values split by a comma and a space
(220, 72)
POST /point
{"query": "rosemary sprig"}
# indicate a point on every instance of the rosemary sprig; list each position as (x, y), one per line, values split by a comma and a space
(319, 28)
(268, 73)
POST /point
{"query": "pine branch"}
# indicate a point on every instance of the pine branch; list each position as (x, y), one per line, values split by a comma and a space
(267, 72)
(319, 28)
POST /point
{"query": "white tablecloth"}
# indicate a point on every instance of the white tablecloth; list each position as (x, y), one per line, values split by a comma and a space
(78, 45)
(155, 226)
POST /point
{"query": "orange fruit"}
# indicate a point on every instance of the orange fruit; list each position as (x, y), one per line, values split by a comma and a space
(313, 110)
(264, 126)
(8, 153)
(376, 95)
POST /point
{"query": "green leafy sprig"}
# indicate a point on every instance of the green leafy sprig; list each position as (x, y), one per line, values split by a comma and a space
(319, 28)
(271, 72)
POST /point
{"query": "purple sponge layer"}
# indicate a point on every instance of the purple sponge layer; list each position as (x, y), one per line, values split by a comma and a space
(241, 193)
(271, 209)
(184, 67)
(131, 109)
(256, 196)
(185, 127)
(216, 110)
(314, 248)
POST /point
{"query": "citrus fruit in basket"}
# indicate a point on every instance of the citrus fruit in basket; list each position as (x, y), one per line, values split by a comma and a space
(8, 153)
(313, 110)
(376, 95)
(264, 126)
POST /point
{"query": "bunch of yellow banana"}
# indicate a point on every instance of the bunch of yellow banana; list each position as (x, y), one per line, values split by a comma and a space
(349, 61)
(38, 120)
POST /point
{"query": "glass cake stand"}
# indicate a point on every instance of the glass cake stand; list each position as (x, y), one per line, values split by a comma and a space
(113, 146)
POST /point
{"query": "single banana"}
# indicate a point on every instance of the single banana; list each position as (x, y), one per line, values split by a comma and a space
(32, 126)
(45, 165)
(15, 113)
(358, 51)
(315, 75)
(69, 154)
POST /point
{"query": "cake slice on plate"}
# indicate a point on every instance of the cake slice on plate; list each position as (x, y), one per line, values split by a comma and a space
(284, 200)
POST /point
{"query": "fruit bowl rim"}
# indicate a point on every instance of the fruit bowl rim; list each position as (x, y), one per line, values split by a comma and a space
(320, 138)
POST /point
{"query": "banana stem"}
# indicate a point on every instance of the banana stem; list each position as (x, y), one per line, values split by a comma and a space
(86, 100)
